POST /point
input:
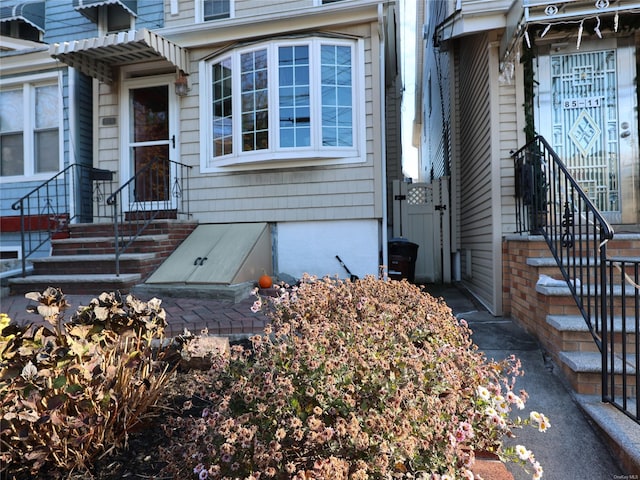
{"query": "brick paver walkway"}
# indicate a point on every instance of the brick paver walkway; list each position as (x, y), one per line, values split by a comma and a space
(220, 317)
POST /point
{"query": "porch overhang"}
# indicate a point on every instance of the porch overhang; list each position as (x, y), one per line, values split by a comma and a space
(31, 13)
(547, 13)
(89, 8)
(99, 56)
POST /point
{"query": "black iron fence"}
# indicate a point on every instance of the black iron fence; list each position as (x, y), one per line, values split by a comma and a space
(621, 352)
(160, 189)
(77, 194)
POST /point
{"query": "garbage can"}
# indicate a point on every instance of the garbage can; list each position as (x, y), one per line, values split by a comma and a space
(402, 259)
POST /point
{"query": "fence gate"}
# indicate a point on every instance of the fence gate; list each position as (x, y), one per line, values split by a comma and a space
(421, 215)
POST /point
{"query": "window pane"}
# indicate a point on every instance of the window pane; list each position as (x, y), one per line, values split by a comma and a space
(11, 111)
(118, 19)
(221, 107)
(46, 151)
(11, 155)
(215, 9)
(255, 104)
(293, 68)
(47, 106)
(150, 108)
(337, 96)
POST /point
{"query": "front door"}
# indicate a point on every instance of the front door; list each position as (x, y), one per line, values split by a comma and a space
(587, 112)
(149, 144)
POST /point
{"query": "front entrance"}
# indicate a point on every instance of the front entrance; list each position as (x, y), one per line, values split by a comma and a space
(148, 143)
(587, 112)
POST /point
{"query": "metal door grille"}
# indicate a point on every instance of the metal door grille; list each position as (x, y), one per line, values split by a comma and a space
(585, 122)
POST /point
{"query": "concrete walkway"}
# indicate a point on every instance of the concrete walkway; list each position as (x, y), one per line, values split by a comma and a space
(571, 449)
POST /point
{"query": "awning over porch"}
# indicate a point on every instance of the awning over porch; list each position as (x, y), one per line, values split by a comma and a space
(548, 13)
(28, 12)
(89, 9)
(98, 56)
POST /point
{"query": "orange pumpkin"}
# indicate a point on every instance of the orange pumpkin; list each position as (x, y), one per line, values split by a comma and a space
(265, 281)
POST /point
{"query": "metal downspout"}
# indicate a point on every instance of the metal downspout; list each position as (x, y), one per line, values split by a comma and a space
(383, 142)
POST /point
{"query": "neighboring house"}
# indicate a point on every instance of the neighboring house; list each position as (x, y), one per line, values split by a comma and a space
(287, 112)
(498, 72)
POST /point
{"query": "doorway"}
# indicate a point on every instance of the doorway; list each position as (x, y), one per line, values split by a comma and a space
(586, 110)
(148, 144)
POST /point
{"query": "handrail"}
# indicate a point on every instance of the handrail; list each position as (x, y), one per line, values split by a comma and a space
(551, 203)
(160, 189)
(74, 195)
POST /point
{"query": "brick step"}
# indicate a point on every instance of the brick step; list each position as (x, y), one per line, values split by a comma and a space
(106, 245)
(558, 300)
(583, 370)
(571, 333)
(548, 266)
(87, 284)
(171, 227)
(141, 263)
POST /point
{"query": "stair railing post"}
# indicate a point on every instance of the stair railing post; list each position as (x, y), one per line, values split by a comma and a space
(116, 244)
(23, 244)
(604, 315)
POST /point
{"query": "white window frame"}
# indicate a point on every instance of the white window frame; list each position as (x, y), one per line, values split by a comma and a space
(199, 12)
(274, 156)
(28, 85)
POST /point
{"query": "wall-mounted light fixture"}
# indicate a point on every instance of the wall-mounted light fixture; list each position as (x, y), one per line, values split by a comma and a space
(182, 85)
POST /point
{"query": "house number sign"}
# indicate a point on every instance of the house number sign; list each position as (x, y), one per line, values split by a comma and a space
(587, 102)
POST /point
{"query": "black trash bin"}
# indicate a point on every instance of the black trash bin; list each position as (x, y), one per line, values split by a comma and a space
(402, 259)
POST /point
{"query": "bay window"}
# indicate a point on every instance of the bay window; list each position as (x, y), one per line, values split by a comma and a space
(281, 101)
(29, 130)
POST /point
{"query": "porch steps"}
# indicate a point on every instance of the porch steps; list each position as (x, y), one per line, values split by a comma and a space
(84, 263)
(569, 342)
(550, 314)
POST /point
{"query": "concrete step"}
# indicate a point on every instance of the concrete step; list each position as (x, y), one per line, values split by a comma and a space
(583, 370)
(571, 333)
(619, 432)
(75, 284)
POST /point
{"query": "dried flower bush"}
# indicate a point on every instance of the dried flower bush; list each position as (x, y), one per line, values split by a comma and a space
(72, 391)
(352, 380)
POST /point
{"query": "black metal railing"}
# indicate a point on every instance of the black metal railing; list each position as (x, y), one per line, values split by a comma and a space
(551, 203)
(160, 189)
(621, 354)
(77, 194)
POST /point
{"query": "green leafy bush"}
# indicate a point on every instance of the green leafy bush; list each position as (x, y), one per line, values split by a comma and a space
(72, 391)
(351, 380)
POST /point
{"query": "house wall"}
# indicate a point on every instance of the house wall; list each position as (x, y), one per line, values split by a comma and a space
(474, 165)
(343, 200)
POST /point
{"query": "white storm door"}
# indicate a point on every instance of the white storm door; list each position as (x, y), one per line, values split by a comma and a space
(149, 144)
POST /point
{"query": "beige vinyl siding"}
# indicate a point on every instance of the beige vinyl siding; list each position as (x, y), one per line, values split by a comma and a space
(297, 194)
(511, 139)
(186, 13)
(107, 147)
(476, 219)
(241, 8)
(245, 8)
